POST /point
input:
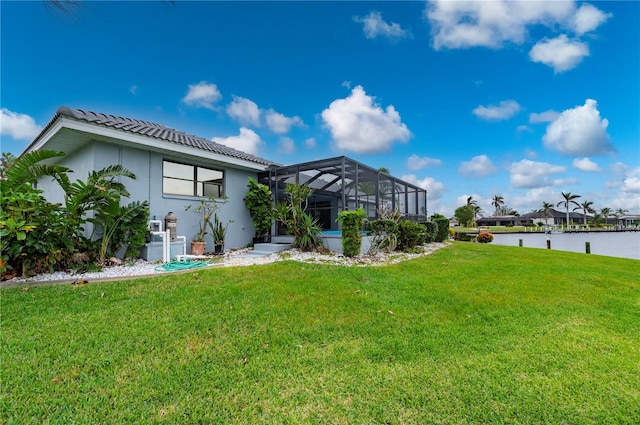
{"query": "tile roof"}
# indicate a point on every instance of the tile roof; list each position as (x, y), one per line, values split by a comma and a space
(157, 131)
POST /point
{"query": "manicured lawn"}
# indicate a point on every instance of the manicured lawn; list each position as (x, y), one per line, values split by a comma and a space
(471, 334)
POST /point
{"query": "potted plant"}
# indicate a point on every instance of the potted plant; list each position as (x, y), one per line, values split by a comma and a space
(259, 202)
(205, 209)
(218, 232)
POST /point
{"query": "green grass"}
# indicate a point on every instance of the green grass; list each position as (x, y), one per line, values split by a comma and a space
(471, 334)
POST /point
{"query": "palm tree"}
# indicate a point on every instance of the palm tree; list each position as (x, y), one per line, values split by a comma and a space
(476, 210)
(606, 212)
(619, 213)
(546, 211)
(586, 208)
(568, 200)
(497, 202)
(471, 202)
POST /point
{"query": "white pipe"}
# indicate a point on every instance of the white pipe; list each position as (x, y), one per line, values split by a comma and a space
(184, 243)
(158, 222)
(165, 238)
(167, 247)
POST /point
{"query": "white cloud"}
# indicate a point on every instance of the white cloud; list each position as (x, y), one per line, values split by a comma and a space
(434, 189)
(202, 95)
(245, 111)
(373, 26)
(560, 53)
(310, 143)
(279, 123)
(546, 116)
(18, 126)
(530, 174)
(586, 165)
(505, 109)
(587, 18)
(479, 166)
(523, 128)
(357, 124)
(464, 24)
(286, 145)
(631, 184)
(247, 141)
(133, 89)
(415, 162)
(579, 132)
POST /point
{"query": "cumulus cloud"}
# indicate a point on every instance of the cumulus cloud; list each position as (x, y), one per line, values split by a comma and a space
(286, 145)
(504, 110)
(529, 174)
(416, 162)
(374, 26)
(559, 53)
(247, 141)
(546, 116)
(202, 95)
(245, 111)
(464, 24)
(310, 143)
(579, 132)
(360, 125)
(479, 166)
(587, 18)
(18, 126)
(586, 165)
(434, 188)
(279, 123)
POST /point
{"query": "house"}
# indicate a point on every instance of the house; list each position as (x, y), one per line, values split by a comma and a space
(504, 220)
(554, 217)
(175, 169)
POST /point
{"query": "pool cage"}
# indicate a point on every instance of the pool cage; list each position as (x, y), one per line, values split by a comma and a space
(341, 184)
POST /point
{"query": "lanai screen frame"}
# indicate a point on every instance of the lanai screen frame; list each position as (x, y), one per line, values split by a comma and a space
(341, 183)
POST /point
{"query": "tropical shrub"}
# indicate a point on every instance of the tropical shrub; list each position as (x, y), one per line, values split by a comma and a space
(259, 202)
(130, 229)
(385, 235)
(443, 228)
(352, 222)
(431, 231)
(484, 237)
(291, 215)
(410, 235)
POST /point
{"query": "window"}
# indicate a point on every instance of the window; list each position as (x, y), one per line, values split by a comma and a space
(191, 180)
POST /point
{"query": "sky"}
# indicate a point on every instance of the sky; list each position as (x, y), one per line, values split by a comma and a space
(519, 99)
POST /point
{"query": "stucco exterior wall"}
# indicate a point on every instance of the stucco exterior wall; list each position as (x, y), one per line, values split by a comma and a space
(147, 166)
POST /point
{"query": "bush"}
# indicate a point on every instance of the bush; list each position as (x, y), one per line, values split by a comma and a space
(352, 222)
(443, 228)
(431, 232)
(463, 237)
(484, 237)
(411, 235)
(385, 232)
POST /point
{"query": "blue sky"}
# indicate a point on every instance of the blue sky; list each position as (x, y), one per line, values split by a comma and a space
(519, 99)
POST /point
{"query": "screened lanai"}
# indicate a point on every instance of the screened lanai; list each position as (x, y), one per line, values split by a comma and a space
(341, 183)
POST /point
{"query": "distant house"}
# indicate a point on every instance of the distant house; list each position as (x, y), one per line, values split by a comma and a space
(555, 217)
(175, 169)
(503, 220)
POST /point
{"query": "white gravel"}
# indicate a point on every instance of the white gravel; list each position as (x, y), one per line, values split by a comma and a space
(232, 258)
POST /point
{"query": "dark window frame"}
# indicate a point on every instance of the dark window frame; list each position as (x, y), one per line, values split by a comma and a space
(197, 186)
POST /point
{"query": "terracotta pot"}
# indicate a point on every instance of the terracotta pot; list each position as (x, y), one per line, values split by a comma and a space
(197, 248)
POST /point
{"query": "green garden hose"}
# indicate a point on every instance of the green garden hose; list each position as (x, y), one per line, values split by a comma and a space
(180, 265)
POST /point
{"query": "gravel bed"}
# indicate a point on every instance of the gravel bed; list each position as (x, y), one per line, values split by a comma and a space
(232, 258)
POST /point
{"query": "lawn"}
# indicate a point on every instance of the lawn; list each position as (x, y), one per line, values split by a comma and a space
(471, 334)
